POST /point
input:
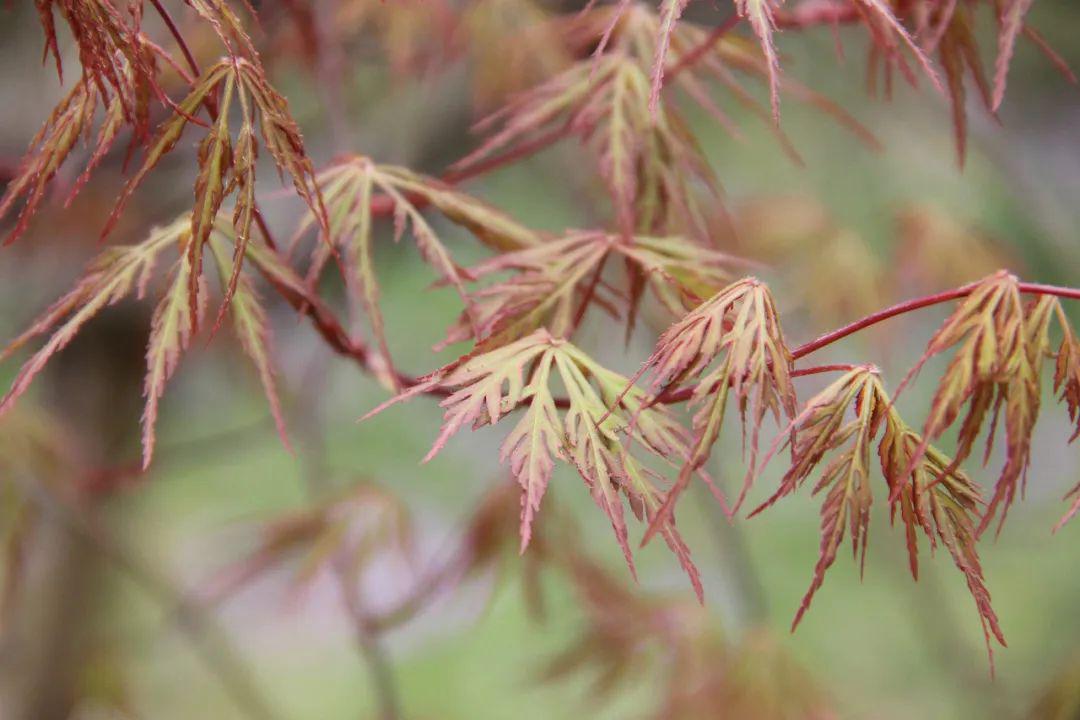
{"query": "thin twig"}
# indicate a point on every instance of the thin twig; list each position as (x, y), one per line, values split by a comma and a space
(874, 318)
(177, 36)
(691, 57)
(917, 304)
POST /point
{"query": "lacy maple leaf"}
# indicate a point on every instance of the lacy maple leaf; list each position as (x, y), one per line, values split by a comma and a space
(595, 428)
(122, 271)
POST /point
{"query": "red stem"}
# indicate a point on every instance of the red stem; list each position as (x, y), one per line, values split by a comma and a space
(175, 32)
(699, 51)
(874, 318)
(907, 306)
(917, 304)
(1057, 290)
(818, 369)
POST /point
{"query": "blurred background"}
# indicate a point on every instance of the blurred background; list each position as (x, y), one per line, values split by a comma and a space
(168, 597)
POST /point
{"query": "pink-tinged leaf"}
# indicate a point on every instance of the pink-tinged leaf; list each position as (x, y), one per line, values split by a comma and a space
(670, 12)
(482, 387)
(215, 165)
(639, 489)
(760, 14)
(252, 330)
(987, 330)
(732, 345)
(881, 9)
(1067, 371)
(1011, 23)
(533, 444)
(168, 135)
(818, 430)
(69, 120)
(549, 288)
(943, 503)
(592, 450)
(170, 332)
(486, 386)
(111, 277)
(243, 161)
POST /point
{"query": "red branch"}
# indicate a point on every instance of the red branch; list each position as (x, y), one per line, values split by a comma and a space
(917, 304)
(899, 309)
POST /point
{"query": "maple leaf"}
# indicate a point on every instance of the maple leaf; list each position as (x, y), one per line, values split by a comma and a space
(595, 432)
(491, 226)
(227, 26)
(940, 500)
(678, 271)
(119, 75)
(818, 429)
(877, 15)
(647, 164)
(885, 30)
(111, 277)
(1067, 385)
(555, 283)
(1011, 21)
(551, 282)
(226, 167)
(958, 50)
(1067, 371)
(927, 490)
(760, 14)
(999, 347)
(948, 28)
(349, 188)
(249, 323)
(737, 334)
(533, 445)
(71, 119)
(123, 271)
(649, 160)
(170, 332)
(114, 55)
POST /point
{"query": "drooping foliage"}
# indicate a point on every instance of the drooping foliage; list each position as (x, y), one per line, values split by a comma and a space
(621, 79)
